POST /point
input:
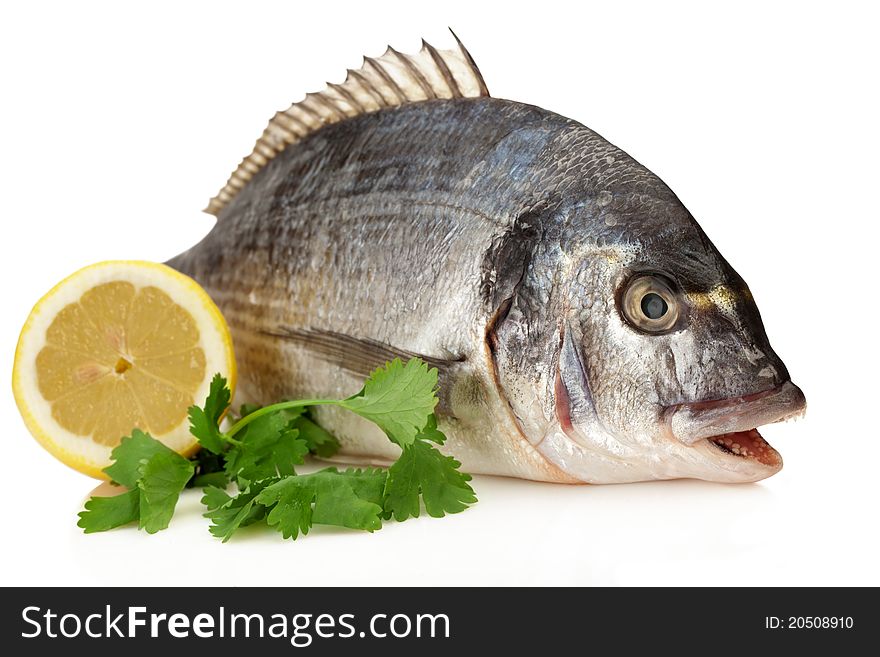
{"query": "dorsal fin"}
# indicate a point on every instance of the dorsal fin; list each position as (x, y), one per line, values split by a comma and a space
(388, 81)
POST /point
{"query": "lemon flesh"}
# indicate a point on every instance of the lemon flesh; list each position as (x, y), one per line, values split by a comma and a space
(118, 346)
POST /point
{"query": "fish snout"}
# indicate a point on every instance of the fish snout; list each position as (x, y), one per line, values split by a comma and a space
(731, 425)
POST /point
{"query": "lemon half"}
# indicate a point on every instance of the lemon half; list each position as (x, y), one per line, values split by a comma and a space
(118, 345)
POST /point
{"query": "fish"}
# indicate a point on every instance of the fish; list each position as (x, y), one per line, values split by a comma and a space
(584, 327)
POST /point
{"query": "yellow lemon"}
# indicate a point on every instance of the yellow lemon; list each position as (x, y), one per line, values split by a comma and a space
(116, 346)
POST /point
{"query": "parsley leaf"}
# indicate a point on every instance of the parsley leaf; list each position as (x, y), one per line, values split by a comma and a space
(266, 448)
(292, 413)
(228, 513)
(155, 475)
(128, 455)
(205, 422)
(399, 398)
(162, 477)
(367, 483)
(346, 499)
(291, 501)
(320, 441)
(431, 432)
(288, 451)
(352, 498)
(215, 497)
(103, 513)
(422, 470)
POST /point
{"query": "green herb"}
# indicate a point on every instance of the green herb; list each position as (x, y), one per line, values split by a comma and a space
(229, 513)
(205, 422)
(160, 480)
(348, 499)
(260, 452)
(103, 513)
(422, 470)
(268, 448)
(399, 398)
(319, 441)
(155, 474)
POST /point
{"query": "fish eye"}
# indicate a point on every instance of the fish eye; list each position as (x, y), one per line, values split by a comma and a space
(649, 304)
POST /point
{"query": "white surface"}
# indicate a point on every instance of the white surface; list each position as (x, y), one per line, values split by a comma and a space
(117, 124)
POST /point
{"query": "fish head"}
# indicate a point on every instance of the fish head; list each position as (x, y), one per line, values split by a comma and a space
(636, 352)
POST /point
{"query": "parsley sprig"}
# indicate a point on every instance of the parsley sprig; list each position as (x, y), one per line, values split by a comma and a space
(259, 454)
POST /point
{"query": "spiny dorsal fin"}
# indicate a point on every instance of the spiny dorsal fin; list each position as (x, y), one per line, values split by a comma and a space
(388, 81)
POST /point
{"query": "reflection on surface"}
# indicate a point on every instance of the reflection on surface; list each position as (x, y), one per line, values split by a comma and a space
(634, 533)
(105, 489)
(521, 532)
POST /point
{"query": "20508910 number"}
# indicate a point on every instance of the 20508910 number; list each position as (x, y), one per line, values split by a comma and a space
(820, 622)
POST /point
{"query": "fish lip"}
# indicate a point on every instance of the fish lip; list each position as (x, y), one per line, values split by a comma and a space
(691, 422)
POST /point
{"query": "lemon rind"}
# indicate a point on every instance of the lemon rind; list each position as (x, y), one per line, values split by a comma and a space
(182, 289)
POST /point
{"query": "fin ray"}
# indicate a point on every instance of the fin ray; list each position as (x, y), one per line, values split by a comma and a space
(391, 80)
(359, 356)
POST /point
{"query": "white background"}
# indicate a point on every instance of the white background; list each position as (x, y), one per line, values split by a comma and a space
(117, 124)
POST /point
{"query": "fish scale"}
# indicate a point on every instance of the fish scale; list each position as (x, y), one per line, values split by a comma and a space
(412, 214)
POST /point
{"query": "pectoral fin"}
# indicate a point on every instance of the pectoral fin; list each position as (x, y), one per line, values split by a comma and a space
(357, 355)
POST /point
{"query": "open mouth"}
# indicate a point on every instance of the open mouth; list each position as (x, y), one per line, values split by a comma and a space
(748, 445)
(730, 425)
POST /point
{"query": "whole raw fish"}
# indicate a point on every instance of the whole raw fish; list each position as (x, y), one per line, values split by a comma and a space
(585, 328)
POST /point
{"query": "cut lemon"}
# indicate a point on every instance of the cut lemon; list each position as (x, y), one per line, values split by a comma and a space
(116, 346)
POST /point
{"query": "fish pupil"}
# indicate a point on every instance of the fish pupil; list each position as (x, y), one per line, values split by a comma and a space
(653, 306)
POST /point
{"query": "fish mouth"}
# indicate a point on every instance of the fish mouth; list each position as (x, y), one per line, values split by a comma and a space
(731, 425)
(747, 445)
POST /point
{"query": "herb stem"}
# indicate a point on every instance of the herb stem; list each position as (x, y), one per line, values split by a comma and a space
(298, 403)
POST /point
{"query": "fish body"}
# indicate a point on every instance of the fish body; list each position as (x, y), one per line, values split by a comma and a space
(535, 264)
